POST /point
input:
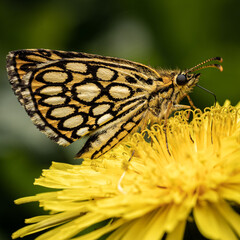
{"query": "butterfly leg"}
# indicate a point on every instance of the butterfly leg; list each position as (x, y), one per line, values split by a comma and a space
(191, 102)
(187, 107)
(171, 108)
(168, 111)
(179, 107)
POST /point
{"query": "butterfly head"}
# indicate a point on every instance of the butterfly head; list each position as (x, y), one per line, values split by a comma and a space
(186, 79)
(189, 79)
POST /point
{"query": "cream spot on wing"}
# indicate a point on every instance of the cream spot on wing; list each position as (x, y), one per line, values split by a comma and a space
(73, 122)
(14, 79)
(104, 118)
(26, 77)
(104, 73)
(119, 92)
(63, 142)
(25, 93)
(77, 67)
(36, 119)
(11, 68)
(50, 132)
(30, 106)
(51, 90)
(88, 92)
(62, 112)
(100, 109)
(54, 100)
(82, 131)
(55, 77)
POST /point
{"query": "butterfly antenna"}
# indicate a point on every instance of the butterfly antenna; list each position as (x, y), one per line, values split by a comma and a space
(202, 66)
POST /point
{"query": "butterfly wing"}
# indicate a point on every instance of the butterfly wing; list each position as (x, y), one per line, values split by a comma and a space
(70, 94)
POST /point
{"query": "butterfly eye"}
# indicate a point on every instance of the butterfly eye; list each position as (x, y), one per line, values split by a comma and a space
(181, 79)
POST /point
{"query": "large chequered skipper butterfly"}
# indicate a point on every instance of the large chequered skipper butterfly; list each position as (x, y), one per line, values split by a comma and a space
(70, 94)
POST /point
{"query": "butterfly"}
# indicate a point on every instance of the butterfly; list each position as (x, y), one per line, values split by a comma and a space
(71, 94)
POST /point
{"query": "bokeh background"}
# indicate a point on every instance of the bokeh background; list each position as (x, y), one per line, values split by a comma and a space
(159, 33)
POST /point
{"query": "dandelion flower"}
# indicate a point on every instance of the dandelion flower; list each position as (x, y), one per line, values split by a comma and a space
(155, 194)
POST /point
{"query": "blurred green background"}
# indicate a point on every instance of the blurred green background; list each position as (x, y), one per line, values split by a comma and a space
(166, 34)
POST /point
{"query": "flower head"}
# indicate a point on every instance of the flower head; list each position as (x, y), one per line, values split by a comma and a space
(143, 192)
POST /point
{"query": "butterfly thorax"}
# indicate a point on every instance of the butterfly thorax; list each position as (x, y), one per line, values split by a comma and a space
(170, 91)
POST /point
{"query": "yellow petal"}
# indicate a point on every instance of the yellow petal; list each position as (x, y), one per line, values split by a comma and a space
(101, 231)
(230, 215)
(71, 228)
(121, 231)
(211, 223)
(231, 193)
(139, 228)
(178, 232)
(155, 228)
